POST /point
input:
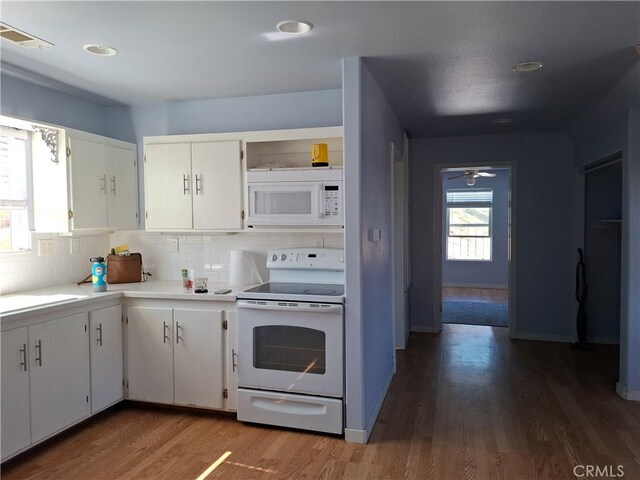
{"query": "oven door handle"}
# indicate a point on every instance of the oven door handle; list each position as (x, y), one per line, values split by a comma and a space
(289, 307)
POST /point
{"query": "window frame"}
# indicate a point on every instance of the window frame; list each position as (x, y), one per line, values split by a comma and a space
(489, 224)
(28, 137)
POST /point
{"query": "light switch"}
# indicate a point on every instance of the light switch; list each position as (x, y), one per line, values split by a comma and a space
(374, 234)
(45, 247)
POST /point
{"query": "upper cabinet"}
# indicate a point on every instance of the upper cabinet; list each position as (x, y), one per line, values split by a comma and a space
(193, 186)
(92, 187)
(103, 186)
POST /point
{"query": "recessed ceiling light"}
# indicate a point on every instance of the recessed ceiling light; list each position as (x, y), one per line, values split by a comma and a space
(101, 50)
(502, 121)
(295, 27)
(526, 67)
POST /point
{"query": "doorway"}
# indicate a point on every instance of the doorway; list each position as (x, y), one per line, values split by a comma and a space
(474, 236)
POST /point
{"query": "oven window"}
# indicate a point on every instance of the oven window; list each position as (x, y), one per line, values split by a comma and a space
(283, 203)
(292, 349)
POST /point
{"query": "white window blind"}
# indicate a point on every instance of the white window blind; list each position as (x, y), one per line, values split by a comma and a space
(484, 195)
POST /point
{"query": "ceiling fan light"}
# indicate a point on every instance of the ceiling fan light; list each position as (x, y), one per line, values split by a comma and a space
(471, 180)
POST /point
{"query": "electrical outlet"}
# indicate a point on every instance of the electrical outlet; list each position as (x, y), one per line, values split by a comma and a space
(318, 242)
(45, 247)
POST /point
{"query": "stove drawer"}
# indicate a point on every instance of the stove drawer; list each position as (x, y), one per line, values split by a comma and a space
(297, 411)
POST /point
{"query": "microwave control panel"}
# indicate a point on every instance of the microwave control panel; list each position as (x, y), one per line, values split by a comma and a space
(332, 199)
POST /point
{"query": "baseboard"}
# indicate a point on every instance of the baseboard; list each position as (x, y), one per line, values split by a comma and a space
(499, 286)
(628, 393)
(354, 435)
(604, 340)
(424, 329)
(542, 337)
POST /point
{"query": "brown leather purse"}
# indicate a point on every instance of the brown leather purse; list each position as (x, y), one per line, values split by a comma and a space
(125, 269)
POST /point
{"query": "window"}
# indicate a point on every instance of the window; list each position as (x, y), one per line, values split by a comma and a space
(469, 224)
(15, 189)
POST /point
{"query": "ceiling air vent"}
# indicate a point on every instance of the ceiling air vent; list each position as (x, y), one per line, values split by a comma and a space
(22, 38)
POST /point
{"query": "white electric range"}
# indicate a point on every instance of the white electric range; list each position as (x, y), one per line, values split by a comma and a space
(291, 342)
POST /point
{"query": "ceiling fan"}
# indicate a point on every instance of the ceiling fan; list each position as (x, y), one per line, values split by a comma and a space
(471, 175)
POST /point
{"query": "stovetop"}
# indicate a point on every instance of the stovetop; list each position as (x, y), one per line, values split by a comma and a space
(300, 292)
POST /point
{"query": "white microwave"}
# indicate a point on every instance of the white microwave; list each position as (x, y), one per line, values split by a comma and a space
(295, 197)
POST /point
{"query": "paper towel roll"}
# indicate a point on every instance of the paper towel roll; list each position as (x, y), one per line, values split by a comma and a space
(243, 269)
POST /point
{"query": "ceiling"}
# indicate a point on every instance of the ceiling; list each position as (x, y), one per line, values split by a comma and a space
(446, 67)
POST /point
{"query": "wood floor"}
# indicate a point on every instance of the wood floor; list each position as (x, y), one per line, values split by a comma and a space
(467, 404)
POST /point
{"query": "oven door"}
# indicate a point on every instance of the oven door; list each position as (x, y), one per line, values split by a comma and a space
(291, 347)
(286, 203)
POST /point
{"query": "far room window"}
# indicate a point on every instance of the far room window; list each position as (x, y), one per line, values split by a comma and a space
(15, 189)
(469, 224)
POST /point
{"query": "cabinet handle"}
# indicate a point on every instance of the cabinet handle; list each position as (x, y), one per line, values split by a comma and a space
(103, 183)
(39, 352)
(234, 355)
(178, 337)
(198, 182)
(23, 351)
(99, 330)
(113, 184)
(185, 184)
(164, 332)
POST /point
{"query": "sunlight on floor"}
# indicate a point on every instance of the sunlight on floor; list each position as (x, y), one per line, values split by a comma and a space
(213, 466)
(260, 469)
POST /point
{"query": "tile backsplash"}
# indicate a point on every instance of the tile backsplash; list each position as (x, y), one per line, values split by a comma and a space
(67, 263)
(164, 255)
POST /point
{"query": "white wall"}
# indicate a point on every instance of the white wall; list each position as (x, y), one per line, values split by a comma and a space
(370, 126)
(546, 256)
(493, 273)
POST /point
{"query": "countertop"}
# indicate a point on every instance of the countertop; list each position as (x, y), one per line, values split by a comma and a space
(64, 296)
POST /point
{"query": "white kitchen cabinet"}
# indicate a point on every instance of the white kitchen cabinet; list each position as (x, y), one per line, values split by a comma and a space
(193, 186)
(16, 423)
(105, 347)
(103, 184)
(150, 354)
(185, 364)
(231, 367)
(198, 358)
(59, 374)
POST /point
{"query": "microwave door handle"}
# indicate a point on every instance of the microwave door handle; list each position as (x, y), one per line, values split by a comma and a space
(320, 201)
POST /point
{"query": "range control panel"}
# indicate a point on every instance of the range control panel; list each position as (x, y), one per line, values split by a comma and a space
(306, 259)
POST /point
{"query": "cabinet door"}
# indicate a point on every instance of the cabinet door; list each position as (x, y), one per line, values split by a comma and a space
(122, 198)
(59, 374)
(198, 358)
(105, 335)
(217, 185)
(167, 185)
(16, 433)
(88, 184)
(231, 349)
(150, 354)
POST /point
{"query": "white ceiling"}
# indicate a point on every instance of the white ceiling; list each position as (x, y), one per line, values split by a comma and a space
(445, 66)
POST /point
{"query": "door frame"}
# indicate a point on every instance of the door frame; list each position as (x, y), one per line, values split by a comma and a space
(438, 169)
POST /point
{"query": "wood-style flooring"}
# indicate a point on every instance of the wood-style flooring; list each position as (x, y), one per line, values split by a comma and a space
(466, 404)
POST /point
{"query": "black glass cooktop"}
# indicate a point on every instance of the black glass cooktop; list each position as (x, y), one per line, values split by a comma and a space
(329, 290)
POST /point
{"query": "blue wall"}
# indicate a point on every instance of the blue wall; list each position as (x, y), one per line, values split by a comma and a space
(370, 127)
(545, 183)
(494, 273)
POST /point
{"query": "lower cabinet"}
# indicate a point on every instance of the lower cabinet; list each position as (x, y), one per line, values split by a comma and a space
(45, 380)
(175, 356)
(105, 347)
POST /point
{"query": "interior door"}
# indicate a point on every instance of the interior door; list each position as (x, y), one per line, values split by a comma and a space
(59, 375)
(198, 357)
(167, 181)
(105, 335)
(88, 184)
(217, 185)
(150, 354)
(16, 433)
(122, 180)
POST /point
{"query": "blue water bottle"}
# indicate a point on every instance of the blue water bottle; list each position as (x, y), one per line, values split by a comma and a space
(98, 274)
